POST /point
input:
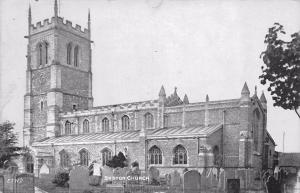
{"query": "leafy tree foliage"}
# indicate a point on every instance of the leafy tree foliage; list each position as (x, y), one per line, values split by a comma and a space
(117, 161)
(8, 141)
(282, 68)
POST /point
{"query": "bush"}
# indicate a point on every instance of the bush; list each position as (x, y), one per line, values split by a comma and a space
(61, 178)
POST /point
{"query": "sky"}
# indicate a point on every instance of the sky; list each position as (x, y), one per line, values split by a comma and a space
(199, 46)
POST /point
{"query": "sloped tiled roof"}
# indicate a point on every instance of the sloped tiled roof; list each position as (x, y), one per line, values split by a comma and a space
(289, 159)
(90, 138)
(184, 132)
(129, 136)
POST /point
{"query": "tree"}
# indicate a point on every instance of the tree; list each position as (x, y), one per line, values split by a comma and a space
(8, 141)
(117, 161)
(282, 68)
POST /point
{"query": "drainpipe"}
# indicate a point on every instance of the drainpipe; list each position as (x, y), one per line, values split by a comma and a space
(222, 140)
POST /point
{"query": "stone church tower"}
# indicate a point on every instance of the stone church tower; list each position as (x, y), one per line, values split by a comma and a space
(58, 75)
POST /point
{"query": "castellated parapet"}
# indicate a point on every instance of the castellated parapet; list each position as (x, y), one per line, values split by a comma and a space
(60, 23)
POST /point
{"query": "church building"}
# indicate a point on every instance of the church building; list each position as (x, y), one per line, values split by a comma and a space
(63, 128)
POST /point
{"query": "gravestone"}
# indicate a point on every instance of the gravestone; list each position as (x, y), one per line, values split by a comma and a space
(10, 182)
(79, 179)
(107, 174)
(133, 176)
(25, 183)
(1, 184)
(233, 185)
(168, 179)
(154, 176)
(120, 175)
(94, 174)
(175, 179)
(44, 169)
(191, 181)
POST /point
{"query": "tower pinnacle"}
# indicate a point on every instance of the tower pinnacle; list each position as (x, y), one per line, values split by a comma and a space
(29, 18)
(245, 90)
(89, 22)
(55, 8)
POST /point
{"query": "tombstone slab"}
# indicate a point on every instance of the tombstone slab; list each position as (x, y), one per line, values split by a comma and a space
(154, 175)
(79, 179)
(107, 174)
(175, 179)
(191, 181)
(25, 183)
(1, 184)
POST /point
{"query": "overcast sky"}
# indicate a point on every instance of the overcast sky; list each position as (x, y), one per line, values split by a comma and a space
(200, 46)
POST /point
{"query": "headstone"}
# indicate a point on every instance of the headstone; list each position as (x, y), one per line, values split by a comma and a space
(168, 179)
(272, 185)
(233, 185)
(107, 174)
(25, 183)
(44, 169)
(191, 181)
(175, 179)
(133, 176)
(154, 176)
(1, 184)
(94, 174)
(79, 179)
(9, 182)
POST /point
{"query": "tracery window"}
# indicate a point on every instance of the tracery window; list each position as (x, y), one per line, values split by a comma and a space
(179, 155)
(69, 51)
(106, 156)
(42, 105)
(40, 54)
(29, 164)
(76, 51)
(105, 125)
(155, 155)
(46, 52)
(216, 155)
(64, 158)
(125, 123)
(255, 128)
(148, 120)
(84, 157)
(86, 126)
(67, 128)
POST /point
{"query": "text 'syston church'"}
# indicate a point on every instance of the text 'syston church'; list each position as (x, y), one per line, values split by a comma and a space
(62, 126)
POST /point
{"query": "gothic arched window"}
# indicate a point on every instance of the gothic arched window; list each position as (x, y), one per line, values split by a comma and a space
(105, 125)
(106, 156)
(86, 126)
(40, 54)
(64, 158)
(125, 123)
(148, 120)
(67, 128)
(42, 105)
(69, 52)
(29, 164)
(179, 155)
(76, 52)
(46, 52)
(255, 127)
(216, 155)
(155, 155)
(84, 157)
